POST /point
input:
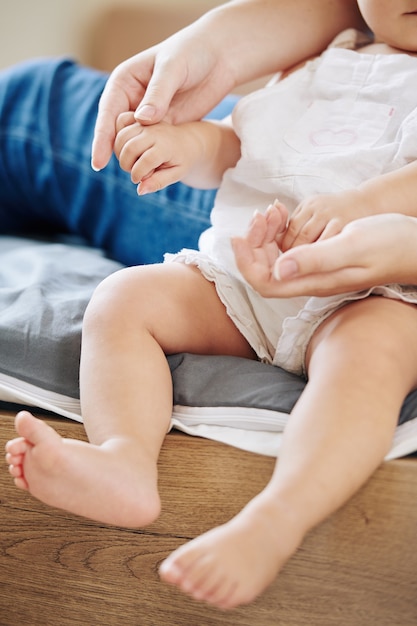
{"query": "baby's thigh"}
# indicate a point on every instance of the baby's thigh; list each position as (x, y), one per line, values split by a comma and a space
(176, 304)
(375, 336)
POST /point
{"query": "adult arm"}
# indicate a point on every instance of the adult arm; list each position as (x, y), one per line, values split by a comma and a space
(185, 76)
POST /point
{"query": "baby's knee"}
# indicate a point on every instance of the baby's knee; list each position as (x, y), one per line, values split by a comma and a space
(113, 300)
(131, 298)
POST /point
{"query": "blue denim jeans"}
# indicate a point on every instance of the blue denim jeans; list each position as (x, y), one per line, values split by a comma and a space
(47, 115)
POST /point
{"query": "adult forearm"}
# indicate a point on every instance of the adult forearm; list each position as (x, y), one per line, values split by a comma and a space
(259, 37)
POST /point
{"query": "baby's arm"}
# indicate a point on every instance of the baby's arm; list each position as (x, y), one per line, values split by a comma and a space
(197, 153)
(325, 215)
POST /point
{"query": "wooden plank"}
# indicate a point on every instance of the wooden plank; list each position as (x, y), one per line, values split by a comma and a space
(357, 568)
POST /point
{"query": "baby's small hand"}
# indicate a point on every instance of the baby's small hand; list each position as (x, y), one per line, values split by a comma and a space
(323, 216)
(151, 154)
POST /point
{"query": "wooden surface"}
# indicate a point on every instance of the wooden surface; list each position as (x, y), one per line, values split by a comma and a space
(359, 568)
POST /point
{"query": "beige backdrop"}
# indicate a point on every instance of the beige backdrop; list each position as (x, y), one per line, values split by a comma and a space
(70, 27)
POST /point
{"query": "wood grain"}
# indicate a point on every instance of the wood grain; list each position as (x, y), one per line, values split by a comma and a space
(60, 570)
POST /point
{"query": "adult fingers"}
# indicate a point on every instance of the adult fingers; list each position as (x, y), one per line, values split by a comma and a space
(113, 102)
(327, 255)
(167, 78)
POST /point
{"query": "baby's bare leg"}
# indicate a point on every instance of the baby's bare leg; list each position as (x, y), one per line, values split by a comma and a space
(362, 363)
(135, 317)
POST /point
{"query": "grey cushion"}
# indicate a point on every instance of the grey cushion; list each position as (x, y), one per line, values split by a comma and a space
(44, 290)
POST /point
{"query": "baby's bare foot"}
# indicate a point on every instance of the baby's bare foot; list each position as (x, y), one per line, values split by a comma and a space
(113, 483)
(234, 563)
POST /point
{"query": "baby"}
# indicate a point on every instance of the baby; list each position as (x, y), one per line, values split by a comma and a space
(332, 141)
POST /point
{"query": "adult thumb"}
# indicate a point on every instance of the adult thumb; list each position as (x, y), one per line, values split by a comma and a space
(316, 258)
(156, 101)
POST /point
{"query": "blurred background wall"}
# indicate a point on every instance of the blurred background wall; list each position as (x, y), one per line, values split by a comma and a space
(99, 33)
(96, 32)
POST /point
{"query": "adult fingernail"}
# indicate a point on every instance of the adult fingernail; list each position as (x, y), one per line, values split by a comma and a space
(146, 113)
(94, 167)
(285, 269)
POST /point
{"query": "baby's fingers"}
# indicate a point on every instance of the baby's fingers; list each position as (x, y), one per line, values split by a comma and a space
(129, 144)
(332, 228)
(159, 179)
(124, 120)
(276, 219)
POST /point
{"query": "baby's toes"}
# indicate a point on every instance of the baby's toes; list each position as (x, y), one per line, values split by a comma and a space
(14, 459)
(215, 591)
(15, 468)
(170, 573)
(21, 483)
(17, 446)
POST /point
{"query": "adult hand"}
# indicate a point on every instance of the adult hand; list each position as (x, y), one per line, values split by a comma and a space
(179, 80)
(256, 253)
(370, 251)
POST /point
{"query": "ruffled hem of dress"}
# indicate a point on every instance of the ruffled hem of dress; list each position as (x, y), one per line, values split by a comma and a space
(232, 293)
(297, 331)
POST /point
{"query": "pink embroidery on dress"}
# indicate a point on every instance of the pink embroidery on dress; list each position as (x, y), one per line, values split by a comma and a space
(330, 137)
